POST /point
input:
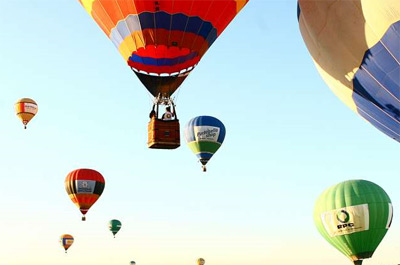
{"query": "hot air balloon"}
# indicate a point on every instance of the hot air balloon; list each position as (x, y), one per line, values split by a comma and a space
(114, 226)
(26, 109)
(201, 261)
(84, 187)
(204, 135)
(66, 241)
(132, 263)
(355, 46)
(162, 42)
(354, 216)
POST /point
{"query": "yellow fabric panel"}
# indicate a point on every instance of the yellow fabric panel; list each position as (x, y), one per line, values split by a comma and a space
(88, 5)
(379, 17)
(25, 116)
(340, 90)
(131, 44)
(345, 47)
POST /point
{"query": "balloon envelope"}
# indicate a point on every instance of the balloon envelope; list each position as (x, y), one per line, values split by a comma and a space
(114, 226)
(84, 187)
(355, 46)
(162, 41)
(26, 109)
(354, 216)
(66, 241)
(204, 135)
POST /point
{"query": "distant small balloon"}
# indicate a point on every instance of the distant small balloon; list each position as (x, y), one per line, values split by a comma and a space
(132, 263)
(84, 187)
(201, 261)
(66, 241)
(114, 226)
(26, 109)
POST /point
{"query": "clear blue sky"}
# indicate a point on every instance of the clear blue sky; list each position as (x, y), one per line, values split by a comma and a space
(288, 138)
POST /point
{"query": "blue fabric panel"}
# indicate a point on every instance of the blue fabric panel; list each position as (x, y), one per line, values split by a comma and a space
(162, 61)
(298, 11)
(204, 156)
(377, 82)
(375, 114)
(179, 22)
(391, 40)
(147, 21)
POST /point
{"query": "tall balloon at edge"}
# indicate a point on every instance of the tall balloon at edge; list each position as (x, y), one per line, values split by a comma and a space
(204, 135)
(354, 216)
(26, 109)
(162, 42)
(84, 187)
(355, 47)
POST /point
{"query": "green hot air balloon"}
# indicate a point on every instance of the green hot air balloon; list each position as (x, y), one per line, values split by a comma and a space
(354, 216)
(114, 226)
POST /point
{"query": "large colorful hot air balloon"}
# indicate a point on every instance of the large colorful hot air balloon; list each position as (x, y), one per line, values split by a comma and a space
(66, 241)
(26, 109)
(354, 216)
(114, 226)
(163, 41)
(355, 46)
(204, 135)
(84, 187)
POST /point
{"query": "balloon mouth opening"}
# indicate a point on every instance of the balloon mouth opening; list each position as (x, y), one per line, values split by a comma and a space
(179, 73)
(203, 161)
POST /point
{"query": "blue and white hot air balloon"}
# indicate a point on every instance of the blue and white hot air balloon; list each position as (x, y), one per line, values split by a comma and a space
(204, 135)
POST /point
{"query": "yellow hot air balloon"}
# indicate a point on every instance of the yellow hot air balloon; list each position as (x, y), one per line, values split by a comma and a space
(26, 109)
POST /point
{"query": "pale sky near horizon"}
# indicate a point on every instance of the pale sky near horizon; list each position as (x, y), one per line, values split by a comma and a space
(288, 138)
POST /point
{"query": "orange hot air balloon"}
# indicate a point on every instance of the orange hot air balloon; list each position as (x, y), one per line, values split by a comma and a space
(26, 109)
(66, 241)
(84, 187)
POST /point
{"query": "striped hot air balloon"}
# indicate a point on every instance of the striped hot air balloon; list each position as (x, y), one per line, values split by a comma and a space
(66, 241)
(26, 109)
(84, 187)
(163, 40)
(355, 46)
(204, 135)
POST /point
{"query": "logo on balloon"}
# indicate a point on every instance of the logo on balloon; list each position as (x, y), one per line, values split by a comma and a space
(343, 216)
(86, 186)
